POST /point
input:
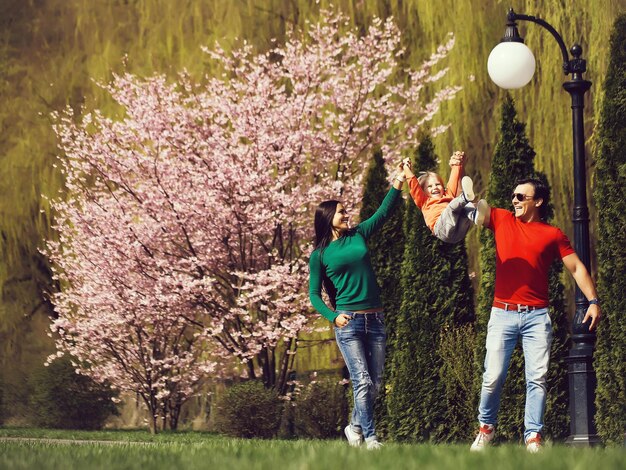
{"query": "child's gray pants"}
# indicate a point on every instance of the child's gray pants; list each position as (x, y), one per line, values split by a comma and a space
(455, 220)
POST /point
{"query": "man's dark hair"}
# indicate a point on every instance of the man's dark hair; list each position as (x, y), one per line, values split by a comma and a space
(542, 191)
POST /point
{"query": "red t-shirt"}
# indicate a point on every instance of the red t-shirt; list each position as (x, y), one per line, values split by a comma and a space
(524, 253)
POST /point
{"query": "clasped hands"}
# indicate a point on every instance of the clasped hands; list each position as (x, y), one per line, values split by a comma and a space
(406, 167)
(457, 158)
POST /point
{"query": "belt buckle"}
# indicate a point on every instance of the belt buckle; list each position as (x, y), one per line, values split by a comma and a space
(523, 308)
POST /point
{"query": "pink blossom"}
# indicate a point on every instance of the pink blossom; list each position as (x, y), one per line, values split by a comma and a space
(185, 229)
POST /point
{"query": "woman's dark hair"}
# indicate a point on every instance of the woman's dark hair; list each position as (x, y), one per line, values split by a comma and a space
(324, 215)
(542, 191)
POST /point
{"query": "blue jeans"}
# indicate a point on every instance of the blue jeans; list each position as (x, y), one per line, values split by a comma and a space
(362, 344)
(503, 331)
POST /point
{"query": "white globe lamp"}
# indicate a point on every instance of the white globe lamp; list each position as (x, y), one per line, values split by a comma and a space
(511, 65)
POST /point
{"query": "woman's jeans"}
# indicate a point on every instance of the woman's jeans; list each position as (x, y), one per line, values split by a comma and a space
(503, 331)
(362, 344)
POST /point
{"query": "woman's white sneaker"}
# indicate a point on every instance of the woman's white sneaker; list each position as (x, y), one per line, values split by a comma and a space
(373, 444)
(355, 439)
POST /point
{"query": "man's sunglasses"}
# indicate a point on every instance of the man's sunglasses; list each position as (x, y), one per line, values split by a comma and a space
(520, 197)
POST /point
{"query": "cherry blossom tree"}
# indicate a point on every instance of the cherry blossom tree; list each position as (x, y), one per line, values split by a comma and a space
(185, 227)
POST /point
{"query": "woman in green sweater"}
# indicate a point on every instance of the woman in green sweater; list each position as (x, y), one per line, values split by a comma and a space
(341, 265)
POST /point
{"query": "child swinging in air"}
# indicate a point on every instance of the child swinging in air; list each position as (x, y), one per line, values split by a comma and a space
(448, 214)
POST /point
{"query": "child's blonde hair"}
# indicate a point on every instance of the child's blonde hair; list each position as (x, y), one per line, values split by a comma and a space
(423, 178)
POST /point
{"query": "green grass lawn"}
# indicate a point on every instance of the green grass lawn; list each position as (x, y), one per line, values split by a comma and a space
(194, 450)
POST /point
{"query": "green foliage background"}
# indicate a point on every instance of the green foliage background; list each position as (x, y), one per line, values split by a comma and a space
(423, 401)
(610, 357)
(52, 53)
(386, 253)
(248, 409)
(62, 399)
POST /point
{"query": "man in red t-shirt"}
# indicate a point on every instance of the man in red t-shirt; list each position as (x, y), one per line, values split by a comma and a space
(525, 248)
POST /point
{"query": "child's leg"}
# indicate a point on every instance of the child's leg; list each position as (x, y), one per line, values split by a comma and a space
(477, 213)
(467, 185)
(453, 223)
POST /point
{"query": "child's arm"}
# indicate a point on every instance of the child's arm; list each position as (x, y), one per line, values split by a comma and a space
(457, 162)
(418, 195)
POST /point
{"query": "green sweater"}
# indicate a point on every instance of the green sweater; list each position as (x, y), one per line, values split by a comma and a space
(347, 264)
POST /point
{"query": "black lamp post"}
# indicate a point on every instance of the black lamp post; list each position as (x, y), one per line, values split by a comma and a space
(511, 65)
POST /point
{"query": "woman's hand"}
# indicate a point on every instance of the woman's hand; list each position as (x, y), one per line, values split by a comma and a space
(400, 178)
(342, 320)
(406, 167)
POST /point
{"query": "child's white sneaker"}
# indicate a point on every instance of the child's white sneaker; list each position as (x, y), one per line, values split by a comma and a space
(482, 209)
(467, 185)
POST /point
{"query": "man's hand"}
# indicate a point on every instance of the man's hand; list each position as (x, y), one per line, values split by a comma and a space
(594, 313)
(575, 266)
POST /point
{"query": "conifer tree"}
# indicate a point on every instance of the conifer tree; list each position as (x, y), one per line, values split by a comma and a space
(513, 160)
(610, 182)
(387, 247)
(386, 251)
(436, 295)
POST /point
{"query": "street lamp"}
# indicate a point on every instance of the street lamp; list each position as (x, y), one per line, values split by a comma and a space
(511, 65)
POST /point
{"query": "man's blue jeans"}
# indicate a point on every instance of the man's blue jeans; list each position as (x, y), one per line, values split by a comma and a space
(362, 344)
(503, 331)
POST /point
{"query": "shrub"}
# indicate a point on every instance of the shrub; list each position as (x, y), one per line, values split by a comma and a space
(1, 401)
(436, 294)
(248, 410)
(386, 250)
(63, 399)
(610, 179)
(321, 410)
(456, 349)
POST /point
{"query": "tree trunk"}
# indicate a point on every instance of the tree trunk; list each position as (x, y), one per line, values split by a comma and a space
(152, 405)
(281, 383)
(164, 413)
(175, 413)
